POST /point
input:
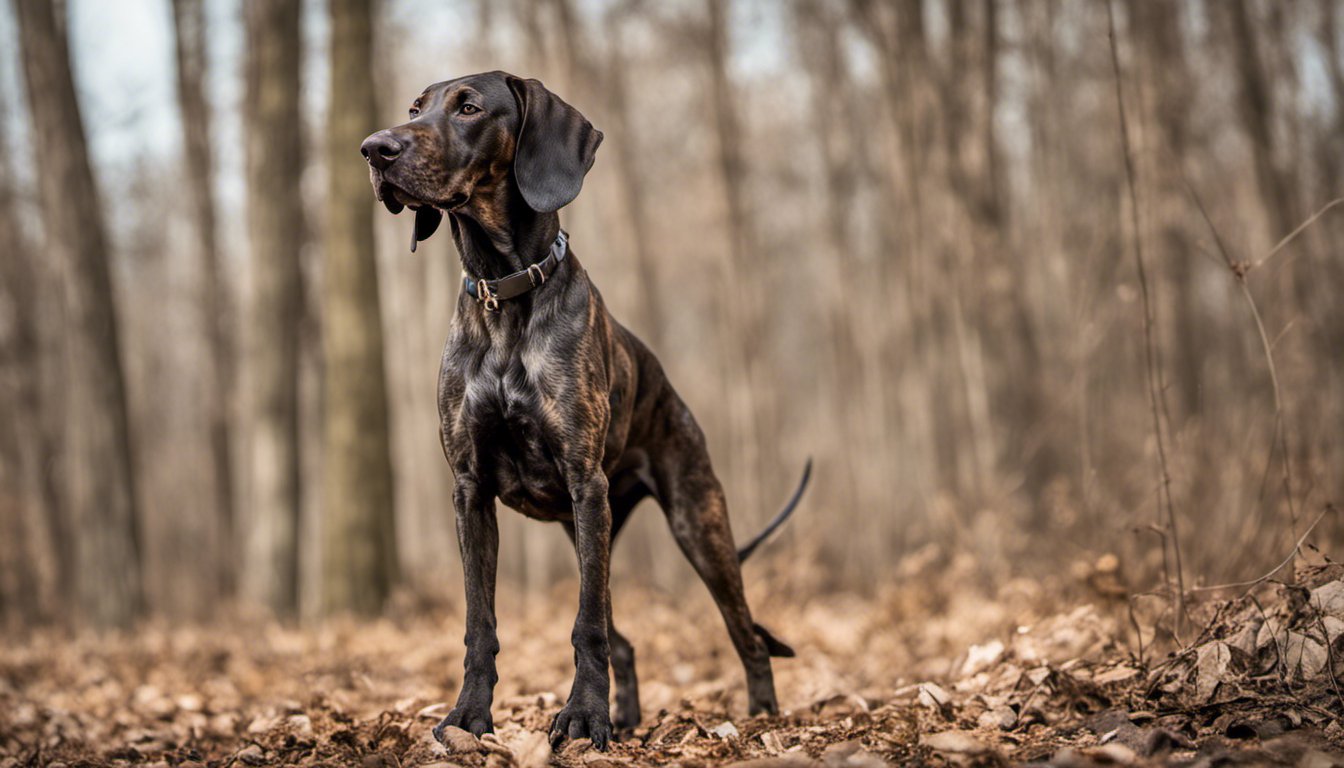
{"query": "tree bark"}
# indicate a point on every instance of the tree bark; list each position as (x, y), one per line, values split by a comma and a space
(1157, 31)
(27, 562)
(1256, 105)
(359, 546)
(651, 317)
(830, 98)
(189, 28)
(741, 293)
(99, 486)
(276, 228)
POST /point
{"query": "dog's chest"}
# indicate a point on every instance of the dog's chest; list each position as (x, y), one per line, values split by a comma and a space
(505, 419)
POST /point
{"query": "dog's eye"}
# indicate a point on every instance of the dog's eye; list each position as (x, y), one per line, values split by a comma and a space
(415, 108)
(470, 109)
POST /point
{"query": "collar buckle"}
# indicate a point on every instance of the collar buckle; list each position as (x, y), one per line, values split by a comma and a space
(486, 296)
(511, 285)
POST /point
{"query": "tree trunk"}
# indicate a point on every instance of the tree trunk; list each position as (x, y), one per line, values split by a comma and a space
(28, 572)
(651, 318)
(1327, 33)
(830, 98)
(1256, 104)
(1157, 29)
(740, 293)
(99, 487)
(909, 276)
(359, 547)
(275, 225)
(1331, 147)
(36, 350)
(189, 28)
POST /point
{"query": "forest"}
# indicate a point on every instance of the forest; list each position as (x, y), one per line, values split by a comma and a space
(1048, 292)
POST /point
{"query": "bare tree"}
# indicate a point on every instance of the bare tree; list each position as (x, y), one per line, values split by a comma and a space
(1331, 147)
(1256, 108)
(276, 229)
(189, 27)
(742, 289)
(359, 548)
(27, 497)
(831, 97)
(651, 320)
(1164, 64)
(99, 488)
(893, 245)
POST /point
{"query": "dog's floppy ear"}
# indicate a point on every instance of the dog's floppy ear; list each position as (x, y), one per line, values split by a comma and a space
(555, 148)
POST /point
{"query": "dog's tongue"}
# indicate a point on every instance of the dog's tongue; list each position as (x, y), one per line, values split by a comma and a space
(427, 221)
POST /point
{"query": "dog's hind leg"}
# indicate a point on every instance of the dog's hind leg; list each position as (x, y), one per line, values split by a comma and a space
(627, 685)
(698, 514)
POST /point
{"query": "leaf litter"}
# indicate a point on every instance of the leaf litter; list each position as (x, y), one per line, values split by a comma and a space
(892, 678)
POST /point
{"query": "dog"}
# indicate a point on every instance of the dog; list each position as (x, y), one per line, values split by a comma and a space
(545, 401)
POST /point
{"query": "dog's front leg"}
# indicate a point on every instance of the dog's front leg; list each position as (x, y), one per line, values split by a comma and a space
(478, 539)
(587, 713)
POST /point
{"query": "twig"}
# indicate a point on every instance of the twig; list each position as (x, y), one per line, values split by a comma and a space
(1288, 326)
(1150, 354)
(1239, 271)
(1330, 659)
(1300, 229)
(1138, 631)
(1211, 624)
(1261, 580)
(1280, 646)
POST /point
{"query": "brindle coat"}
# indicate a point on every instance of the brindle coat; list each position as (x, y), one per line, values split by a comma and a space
(548, 403)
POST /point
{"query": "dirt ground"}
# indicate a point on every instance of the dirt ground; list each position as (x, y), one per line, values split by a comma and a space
(906, 676)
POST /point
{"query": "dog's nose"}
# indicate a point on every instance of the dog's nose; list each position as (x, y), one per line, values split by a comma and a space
(381, 150)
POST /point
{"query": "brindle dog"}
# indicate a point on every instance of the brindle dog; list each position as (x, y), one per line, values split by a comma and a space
(545, 401)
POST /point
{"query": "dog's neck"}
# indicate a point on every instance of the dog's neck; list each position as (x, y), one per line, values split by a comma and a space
(498, 234)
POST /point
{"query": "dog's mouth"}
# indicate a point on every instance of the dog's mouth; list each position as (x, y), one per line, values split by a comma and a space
(428, 214)
(395, 199)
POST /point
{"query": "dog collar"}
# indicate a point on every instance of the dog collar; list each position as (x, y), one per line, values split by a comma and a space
(491, 292)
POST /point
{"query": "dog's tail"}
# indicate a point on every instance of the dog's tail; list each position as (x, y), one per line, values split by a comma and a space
(773, 525)
(773, 644)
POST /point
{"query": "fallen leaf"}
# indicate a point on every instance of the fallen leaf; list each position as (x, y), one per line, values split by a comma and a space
(955, 742)
(1211, 669)
(1328, 599)
(725, 730)
(460, 741)
(532, 749)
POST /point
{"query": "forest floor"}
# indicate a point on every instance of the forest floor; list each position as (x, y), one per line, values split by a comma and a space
(928, 675)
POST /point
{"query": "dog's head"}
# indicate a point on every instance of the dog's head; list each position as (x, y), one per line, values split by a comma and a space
(469, 135)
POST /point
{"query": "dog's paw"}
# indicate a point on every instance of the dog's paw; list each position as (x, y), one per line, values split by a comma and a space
(583, 719)
(765, 705)
(471, 719)
(627, 718)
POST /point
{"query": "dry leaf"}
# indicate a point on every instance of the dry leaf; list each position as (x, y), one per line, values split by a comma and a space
(460, 741)
(1211, 669)
(955, 742)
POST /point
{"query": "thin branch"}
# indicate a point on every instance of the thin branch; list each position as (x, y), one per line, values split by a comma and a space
(1150, 345)
(1253, 583)
(1330, 660)
(1239, 271)
(1300, 229)
(1138, 630)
